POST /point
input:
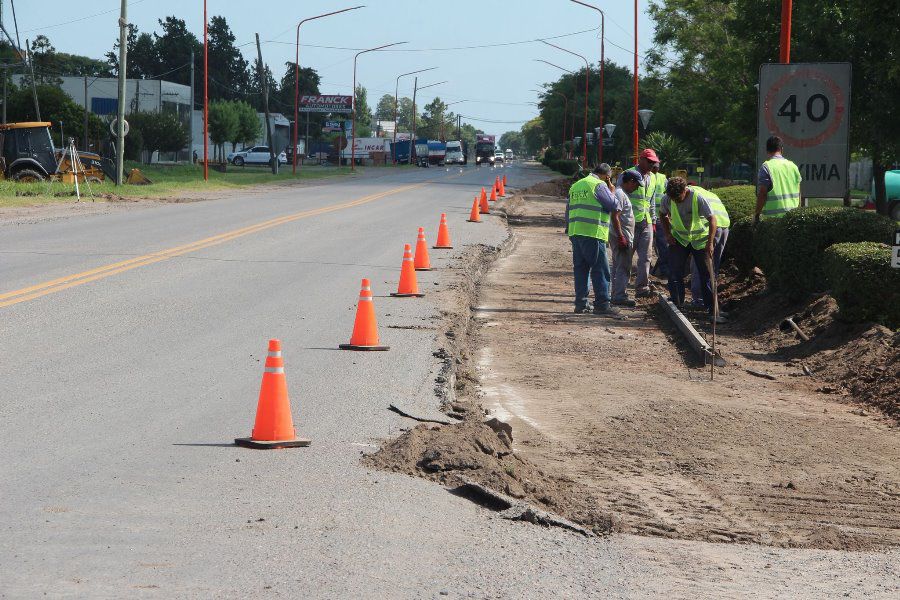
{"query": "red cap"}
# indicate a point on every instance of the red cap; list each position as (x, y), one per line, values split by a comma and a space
(650, 154)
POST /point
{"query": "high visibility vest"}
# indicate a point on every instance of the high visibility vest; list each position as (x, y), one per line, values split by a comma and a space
(586, 216)
(640, 200)
(785, 193)
(698, 234)
(718, 209)
(658, 183)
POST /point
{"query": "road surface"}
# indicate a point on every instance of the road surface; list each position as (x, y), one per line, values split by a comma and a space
(131, 351)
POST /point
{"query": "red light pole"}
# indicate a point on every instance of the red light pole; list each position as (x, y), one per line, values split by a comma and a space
(635, 82)
(297, 77)
(353, 98)
(205, 99)
(786, 9)
(396, 106)
(587, 70)
(602, 64)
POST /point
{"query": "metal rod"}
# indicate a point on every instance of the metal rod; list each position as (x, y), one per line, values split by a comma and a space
(786, 10)
(123, 78)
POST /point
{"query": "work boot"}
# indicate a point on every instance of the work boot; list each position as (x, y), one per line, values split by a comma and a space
(720, 320)
(625, 302)
(643, 294)
(584, 309)
(606, 310)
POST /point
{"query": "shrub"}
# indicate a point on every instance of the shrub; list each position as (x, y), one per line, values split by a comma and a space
(739, 247)
(863, 283)
(789, 250)
(565, 166)
(739, 200)
(551, 154)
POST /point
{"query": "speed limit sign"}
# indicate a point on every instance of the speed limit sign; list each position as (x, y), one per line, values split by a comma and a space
(807, 105)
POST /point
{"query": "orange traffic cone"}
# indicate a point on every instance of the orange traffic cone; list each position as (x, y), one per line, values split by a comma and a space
(408, 285)
(474, 216)
(274, 427)
(497, 184)
(502, 189)
(504, 180)
(422, 262)
(493, 195)
(443, 241)
(483, 196)
(365, 328)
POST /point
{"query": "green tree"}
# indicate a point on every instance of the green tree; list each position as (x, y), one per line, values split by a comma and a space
(248, 125)
(223, 121)
(56, 106)
(363, 113)
(228, 68)
(385, 109)
(45, 64)
(533, 135)
(174, 49)
(672, 152)
(143, 56)
(512, 140)
(404, 114)
(709, 53)
(160, 131)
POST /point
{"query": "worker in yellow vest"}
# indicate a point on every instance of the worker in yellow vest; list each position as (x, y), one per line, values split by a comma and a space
(778, 182)
(689, 222)
(588, 213)
(644, 217)
(661, 268)
(723, 226)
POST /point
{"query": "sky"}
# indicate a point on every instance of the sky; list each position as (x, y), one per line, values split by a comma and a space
(495, 83)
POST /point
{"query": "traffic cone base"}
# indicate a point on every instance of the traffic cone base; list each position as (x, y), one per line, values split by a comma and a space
(365, 327)
(251, 443)
(273, 427)
(442, 247)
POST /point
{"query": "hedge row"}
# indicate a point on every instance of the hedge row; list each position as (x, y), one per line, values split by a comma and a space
(790, 249)
(861, 280)
(565, 166)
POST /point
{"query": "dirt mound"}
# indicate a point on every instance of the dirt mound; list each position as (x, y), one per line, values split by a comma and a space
(861, 359)
(472, 450)
(555, 187)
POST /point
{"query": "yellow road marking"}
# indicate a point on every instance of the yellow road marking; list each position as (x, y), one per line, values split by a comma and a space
(63, 283)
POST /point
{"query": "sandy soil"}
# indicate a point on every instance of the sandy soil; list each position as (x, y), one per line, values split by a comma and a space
(621, 408)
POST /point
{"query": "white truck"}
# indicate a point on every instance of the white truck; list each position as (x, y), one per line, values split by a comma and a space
(455, 154)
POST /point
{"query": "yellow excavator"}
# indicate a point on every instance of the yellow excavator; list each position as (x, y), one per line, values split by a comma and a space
(27, 154)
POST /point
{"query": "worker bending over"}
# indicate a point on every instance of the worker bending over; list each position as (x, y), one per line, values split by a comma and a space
(689, 224)
(623, 249)
(644, 216)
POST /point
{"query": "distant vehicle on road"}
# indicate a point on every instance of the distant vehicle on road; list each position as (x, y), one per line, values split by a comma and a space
(455, 154)
(484, 149)
(509, 154)
(498, 156)
(257, 155)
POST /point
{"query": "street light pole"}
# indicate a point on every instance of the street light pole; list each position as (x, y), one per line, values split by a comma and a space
(786, 10)
(416, 88)
(353, 99)
(297, 78)
(587, 69)
(572, 128)
(602, 65)
(635, 136)
(396, 106)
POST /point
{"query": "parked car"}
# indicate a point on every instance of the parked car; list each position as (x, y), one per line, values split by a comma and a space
(257, 155)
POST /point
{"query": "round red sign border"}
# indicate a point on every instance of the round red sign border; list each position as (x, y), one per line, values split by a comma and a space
(839, 108)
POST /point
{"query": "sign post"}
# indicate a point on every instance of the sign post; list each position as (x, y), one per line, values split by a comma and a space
(807, 105)
(895, 250)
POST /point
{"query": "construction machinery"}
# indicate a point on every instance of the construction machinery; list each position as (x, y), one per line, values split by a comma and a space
(27, 154)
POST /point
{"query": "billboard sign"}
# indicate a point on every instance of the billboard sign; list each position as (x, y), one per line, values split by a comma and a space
(326, 104)
(365, 146)
(808, 106)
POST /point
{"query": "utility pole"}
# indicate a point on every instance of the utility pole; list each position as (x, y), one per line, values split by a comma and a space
(205, 97)
(264, 86)
(191, 144)
(123, 69)
(37, 107)
(785, 53)
(412, 137)
(85, 141)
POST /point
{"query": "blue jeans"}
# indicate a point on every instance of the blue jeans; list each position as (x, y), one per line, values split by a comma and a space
(678, 256)
(662, 254)
(589, 260)
(718, 251)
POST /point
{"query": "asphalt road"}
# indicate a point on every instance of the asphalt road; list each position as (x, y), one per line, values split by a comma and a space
(131, 351)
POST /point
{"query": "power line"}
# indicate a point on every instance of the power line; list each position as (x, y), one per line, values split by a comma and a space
(494, 121)
(78, 20)
(473, 47)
